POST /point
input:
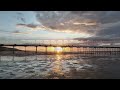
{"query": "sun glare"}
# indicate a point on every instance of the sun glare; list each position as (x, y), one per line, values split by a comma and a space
(58, 49)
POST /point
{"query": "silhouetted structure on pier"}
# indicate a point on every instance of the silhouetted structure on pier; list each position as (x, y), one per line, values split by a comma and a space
(81, 48)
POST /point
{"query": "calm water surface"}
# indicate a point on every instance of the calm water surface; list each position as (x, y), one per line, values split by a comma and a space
(72, 66)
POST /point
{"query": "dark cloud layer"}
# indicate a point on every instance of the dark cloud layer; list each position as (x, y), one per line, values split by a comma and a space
(95, 23)
(28, 25)
(19, 32)
(112, 32)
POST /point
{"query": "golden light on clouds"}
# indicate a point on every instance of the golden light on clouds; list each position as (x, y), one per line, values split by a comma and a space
(77, 23)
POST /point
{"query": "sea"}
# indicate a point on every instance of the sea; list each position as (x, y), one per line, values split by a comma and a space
(61, 66)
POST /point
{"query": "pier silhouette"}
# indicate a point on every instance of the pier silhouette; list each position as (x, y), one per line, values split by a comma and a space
(88, 47)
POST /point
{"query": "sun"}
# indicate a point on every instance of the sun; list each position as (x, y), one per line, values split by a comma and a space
(58, 49)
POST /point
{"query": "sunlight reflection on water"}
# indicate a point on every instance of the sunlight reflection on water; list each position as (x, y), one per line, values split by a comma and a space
(59, 66)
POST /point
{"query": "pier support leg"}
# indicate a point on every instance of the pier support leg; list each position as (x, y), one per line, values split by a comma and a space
(84, 50)
(25, 49)
(54, 50)
(77, 50)
(46, 52)
(72, 49)
(13, 50)
(46, 49)
(36, 49)
(36, 52)
(0, 58)
(25, 53)
(13, 53)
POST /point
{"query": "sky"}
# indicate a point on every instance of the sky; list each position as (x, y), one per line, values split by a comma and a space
(59, 24)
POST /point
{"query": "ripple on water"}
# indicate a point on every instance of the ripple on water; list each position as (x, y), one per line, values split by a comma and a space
(65, 67)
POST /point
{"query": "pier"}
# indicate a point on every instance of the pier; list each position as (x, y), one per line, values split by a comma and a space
(87, 47)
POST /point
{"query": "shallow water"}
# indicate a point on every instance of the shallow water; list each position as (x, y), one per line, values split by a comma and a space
(72, 66)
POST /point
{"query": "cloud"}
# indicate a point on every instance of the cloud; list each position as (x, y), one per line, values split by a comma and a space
(19, 13)
(112, 32)
(27, 25)
(32, 26)
(18, 32)
(13, 32)
(67, 20)
(23, 19)
(95, 23)
(4, 31)
(100, 16)
(20, 16)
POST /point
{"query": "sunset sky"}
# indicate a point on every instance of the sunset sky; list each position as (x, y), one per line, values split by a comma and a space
(59, 24)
